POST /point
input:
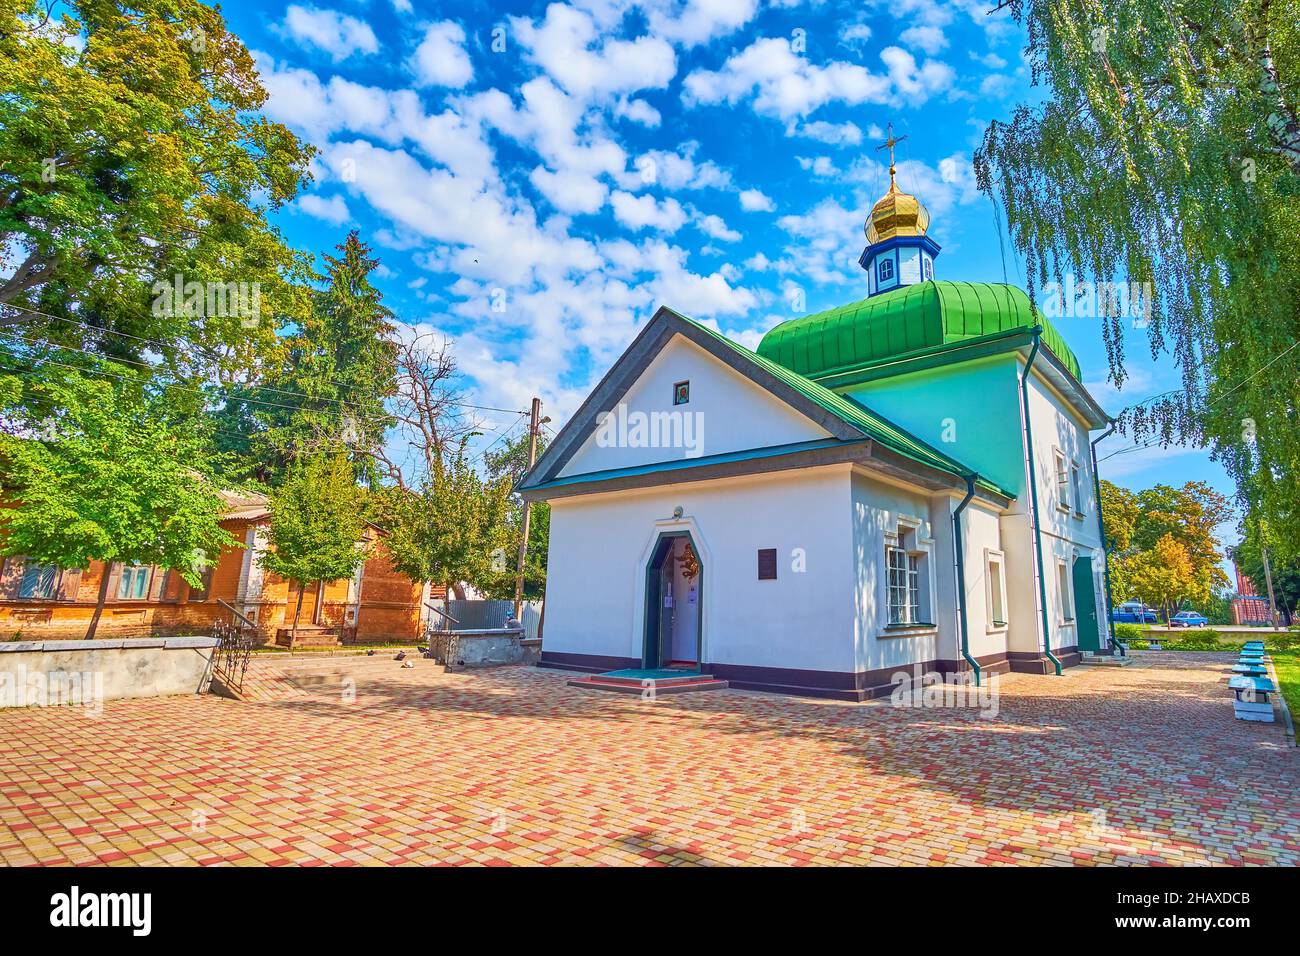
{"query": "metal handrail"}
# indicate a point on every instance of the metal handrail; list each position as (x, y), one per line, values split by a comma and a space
(442, 612)
(237, 614)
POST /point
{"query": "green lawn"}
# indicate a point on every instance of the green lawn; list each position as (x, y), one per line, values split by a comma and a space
(1287, 665)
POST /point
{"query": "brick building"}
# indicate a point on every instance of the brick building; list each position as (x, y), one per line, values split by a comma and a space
(1249, 606)
(43, 602)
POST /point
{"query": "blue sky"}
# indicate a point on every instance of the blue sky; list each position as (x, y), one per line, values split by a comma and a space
(538, 178)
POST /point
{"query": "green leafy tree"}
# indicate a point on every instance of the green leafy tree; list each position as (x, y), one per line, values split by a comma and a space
(116, 476)
(340, 365)
(1166, 153)
(1163, 548)
(316, 526)
(1164, 576)
(509, 465)
(453, 528)
(132, 156)
(1119, 510)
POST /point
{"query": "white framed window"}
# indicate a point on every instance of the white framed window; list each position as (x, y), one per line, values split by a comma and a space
(133, 582)
(904, 586)
(1066, 591)
(996, 589)
(907, 583)
(1062, 480)
(1076, 488)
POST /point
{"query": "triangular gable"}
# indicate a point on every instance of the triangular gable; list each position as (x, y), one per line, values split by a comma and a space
(632, 366)
(726, 412)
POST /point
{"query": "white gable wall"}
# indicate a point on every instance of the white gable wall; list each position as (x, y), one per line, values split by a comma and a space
(730, 413)
(600, 545)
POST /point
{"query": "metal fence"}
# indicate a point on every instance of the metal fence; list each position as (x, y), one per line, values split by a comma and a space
(477, 615)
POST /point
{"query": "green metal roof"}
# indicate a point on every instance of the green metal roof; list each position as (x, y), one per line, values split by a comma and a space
(927, 315)
(854, 413)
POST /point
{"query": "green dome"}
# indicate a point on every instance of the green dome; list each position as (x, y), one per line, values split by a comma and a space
(927, 315)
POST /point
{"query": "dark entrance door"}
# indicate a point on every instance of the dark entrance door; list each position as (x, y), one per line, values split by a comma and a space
(659, 609)
(1085, 606)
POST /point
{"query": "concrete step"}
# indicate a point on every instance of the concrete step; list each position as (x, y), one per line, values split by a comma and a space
(1106, 660)
(672, 685)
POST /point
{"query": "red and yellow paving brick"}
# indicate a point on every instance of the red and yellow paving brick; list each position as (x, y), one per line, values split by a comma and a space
(357, 761)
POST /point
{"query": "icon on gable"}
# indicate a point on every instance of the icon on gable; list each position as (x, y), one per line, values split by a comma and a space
(681, 393)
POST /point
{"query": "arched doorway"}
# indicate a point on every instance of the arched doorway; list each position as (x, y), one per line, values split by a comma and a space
(674, 621)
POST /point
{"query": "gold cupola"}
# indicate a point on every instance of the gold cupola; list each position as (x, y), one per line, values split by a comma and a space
(896, 214)
(898, 253)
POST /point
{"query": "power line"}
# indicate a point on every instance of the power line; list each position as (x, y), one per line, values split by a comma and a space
(1156, 441)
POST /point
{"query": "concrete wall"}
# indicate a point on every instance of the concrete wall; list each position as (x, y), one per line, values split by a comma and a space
(879, 509)
(600, 546)
(98, 670)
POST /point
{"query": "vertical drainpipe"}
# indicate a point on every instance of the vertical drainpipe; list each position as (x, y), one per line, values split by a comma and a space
(1105, 551)
(1033, 499)
(961, 576)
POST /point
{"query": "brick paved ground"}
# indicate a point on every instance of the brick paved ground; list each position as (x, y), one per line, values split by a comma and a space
(510, 766)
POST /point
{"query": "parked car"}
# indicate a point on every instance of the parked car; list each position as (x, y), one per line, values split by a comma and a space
(1188, 619)
(1134, 612)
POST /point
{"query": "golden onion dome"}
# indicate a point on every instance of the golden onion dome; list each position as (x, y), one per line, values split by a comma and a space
(896, 214)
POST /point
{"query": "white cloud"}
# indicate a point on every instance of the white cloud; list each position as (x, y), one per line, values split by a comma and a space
(637, 111)
(855, 35)
(753, 200)
(440, 59)
(692, 22)
(782, 82)
(321, 111)
(675, 170)
(916, 84)
(927, 38)
(787, 85)
(991, 60)
(995, 86)
(563, 45)
(569, 190)
(337, 34)
(714, 226)
(819, 166)
(641, 212)
(835, 134)
(402, 6)
(333, 209)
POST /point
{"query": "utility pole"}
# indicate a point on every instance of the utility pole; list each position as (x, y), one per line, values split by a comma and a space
(534, 423)
(1268, 581)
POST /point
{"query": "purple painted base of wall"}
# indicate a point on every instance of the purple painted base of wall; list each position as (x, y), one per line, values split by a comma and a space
(587, 663)
(832, 685)
(1038, 663)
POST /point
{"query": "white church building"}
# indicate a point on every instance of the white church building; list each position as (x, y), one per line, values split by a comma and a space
(907, 479)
